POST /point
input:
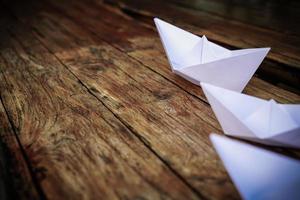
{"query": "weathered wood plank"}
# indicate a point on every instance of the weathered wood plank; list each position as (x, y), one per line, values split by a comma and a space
(16, 181)
(77, 147)
(155, 115)
(15, 178)
(272, 15)
(284, 49)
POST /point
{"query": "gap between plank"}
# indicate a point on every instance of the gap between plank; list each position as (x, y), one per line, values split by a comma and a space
(27, 161)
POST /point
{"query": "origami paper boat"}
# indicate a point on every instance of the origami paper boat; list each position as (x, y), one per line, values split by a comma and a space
(255, 119)
(199, 60)
(258, 173)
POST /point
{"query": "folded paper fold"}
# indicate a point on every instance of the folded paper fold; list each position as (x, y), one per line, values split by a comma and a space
(258, 173)
(255, 119)
(199, 60)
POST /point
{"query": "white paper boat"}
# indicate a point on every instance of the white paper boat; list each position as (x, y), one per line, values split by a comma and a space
(257, 173)
(255, 119)
(199, 60)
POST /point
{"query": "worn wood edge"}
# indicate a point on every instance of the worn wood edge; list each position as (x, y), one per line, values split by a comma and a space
(16, 181)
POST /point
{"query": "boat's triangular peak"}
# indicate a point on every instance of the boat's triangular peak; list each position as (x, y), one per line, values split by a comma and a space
(212, 52)
(275, 120)
(178, 44)
(186, 49)
(255, 119)
(199, 60)
(258, 173)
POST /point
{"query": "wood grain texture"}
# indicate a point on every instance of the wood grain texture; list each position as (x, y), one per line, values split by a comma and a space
(99, 114)
(77, 147)
(15, 177)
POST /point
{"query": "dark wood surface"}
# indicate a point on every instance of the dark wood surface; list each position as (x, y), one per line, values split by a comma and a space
(90, 109)
(237, 24)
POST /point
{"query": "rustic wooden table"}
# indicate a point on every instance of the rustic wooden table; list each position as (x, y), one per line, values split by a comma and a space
(90, 109)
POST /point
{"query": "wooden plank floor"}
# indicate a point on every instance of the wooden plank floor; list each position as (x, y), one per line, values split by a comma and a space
(90, 109)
